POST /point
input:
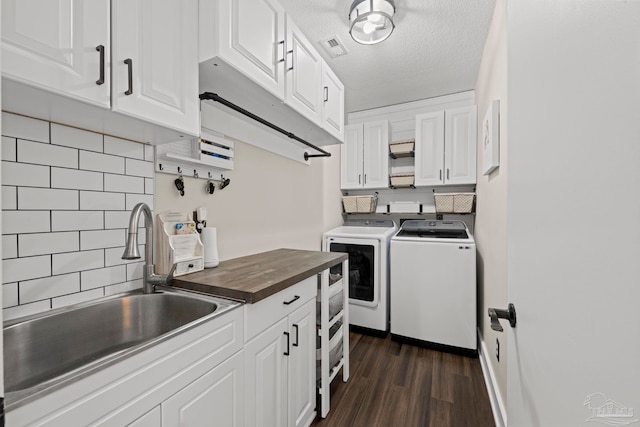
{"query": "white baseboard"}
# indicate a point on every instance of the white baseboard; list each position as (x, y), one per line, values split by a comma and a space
(497, 403)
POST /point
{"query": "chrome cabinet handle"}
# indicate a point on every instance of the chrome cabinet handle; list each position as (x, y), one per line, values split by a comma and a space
(326, 93)
(100, 81)
(290, 52)
(496, 313)
(294, 299)
(286, 352)
(129, 63)
(295, 344)
(283, 52)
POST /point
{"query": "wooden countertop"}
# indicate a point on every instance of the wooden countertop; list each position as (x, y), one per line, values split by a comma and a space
(255, 277)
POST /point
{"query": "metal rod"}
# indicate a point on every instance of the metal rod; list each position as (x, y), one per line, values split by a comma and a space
(214, 97)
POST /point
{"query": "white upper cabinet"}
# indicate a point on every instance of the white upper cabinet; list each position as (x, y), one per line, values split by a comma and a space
(61, 46)
(137, 58)
(460, 145)
(429, 149)
(155, 62)
(251, 38)
(304, 75)
(332, 103)
(445, 150)
(351, 157)
(365, 156)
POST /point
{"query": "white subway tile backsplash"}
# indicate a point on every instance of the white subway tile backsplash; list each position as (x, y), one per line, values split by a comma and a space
(8, 148)
(14, 222)
(48, 287)
(134, 199)
(122, 287)
(76, 179)
(113, 256)
(9, 198)
(10, 246)
(76, 220)
(9, 295)
(148, 186)
(46, 198)
(47, 243)
(100, 239)
(75, 138)
(123, 148)
(24, 174)
(123, 183)
(134, 271)
(26, 309)
(139, 168)
(77, 261)
(148, 153)
(101, 277)
(97, 201)
(16, 269)
(77, 298)
(119, 219)
(25, 127)
(47, 154)
(101, 162)
(67, 194)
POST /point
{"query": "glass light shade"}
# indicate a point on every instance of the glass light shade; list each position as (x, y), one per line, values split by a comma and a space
(371, 21)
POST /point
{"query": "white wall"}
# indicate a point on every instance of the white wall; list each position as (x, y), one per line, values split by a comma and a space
(272, 202)
(491, 207)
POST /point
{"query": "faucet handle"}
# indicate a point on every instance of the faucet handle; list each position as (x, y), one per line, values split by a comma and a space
(170, 275)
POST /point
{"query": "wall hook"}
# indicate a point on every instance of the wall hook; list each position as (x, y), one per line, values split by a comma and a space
(224, 182)
(195, 173)
(179, 183)
(160, 166)
(179, 169)
(210, 187)
(209, 174)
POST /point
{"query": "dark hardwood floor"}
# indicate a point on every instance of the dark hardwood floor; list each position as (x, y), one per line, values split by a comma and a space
(396, 384)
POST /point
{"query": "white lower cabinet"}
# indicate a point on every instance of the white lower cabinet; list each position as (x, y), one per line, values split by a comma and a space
(280, 360)
(214, 399)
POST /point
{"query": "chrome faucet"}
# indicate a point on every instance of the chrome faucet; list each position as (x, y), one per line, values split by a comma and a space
(131, 251)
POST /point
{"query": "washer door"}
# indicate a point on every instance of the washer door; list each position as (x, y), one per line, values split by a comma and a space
(364, 268)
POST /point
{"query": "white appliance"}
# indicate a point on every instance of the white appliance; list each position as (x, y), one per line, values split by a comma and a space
(367, 243)
(433, 285)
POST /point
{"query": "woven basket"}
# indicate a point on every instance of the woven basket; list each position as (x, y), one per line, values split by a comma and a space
(454, 202)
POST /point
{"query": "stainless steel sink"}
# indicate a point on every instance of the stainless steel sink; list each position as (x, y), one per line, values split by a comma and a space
(47, 351)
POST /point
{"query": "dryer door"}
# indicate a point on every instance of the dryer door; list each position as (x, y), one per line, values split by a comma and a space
(364, 268)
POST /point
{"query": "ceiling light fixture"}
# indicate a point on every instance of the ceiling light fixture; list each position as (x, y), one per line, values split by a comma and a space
(371, 21)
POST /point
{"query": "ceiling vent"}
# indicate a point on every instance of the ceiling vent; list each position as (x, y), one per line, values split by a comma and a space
(333, 46)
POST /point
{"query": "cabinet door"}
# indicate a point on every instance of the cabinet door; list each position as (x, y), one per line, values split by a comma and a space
(333, 103)
(53, 45)
(302, 365)
(429, 149)
(252, 36)
(376, 154)
(216, 398)
(265, 385)
(351, 157)
(460, 145)
(155, 62)
(153, 418)
(303, 75)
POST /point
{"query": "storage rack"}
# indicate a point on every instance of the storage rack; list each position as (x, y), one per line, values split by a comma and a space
(327, 289)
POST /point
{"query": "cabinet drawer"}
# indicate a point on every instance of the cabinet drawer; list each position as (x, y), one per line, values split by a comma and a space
(261, 315)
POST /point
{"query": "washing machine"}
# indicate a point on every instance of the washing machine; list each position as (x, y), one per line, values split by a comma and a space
(367, 243)
(433, 285)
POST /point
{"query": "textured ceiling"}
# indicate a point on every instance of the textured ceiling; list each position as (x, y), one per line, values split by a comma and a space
(434, 50)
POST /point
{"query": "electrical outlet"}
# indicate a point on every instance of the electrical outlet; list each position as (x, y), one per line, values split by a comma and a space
(498, 349)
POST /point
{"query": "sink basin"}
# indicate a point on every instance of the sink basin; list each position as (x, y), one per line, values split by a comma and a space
(43, 351)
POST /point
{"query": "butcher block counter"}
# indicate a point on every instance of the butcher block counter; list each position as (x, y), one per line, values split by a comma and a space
(255, 277)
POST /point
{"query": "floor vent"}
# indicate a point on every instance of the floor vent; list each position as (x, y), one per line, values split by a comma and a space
(333, 46)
